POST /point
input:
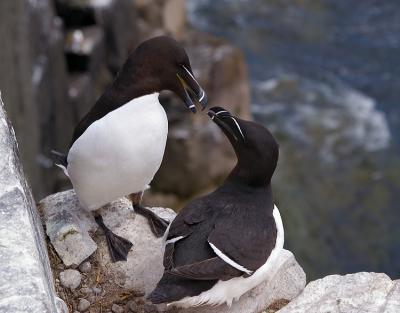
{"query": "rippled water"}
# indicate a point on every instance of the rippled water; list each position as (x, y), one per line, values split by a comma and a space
(325, 79)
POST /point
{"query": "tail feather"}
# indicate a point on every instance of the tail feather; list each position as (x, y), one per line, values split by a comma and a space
(157, 297)
(61, 161)
(172, 288)
(60, 158)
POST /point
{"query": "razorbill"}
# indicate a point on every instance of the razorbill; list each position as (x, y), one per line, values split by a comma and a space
(224, 244)
(118, 146)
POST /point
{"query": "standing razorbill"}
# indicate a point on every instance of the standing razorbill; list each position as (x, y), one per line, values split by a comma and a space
(224, 244)
(118, 146)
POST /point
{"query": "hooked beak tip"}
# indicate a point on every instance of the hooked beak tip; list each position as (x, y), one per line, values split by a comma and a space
(193, 108)
(203, 100)
(211, 114)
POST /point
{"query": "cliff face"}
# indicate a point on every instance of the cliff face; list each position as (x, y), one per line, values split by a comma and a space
(60, 55)
(33, 84)
(25, 276)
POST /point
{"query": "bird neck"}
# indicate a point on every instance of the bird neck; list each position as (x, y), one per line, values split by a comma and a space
(251, 173)
(242, 190)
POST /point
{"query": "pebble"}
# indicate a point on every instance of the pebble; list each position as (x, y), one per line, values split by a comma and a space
(117, 308)
(83, 305)
(60, 267)
(96, 290)
(133, 306)
(150, 308)
(140, 301)
(92, 298)
(138, 293)
(85, 267)
(86, 290)
(70, 279)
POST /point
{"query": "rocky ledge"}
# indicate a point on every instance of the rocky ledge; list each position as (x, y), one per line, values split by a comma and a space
(352, 293)
(87, 280)
(91, 282)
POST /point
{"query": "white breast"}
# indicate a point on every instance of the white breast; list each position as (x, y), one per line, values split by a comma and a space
(233, 289)
(120, 153)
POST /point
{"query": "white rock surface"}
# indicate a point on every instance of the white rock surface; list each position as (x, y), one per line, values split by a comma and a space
(68, 226)
(70, 278)
(352, 293)
(144, 266)
(26, 283)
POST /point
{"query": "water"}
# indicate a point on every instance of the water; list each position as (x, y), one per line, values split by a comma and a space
(325, 80)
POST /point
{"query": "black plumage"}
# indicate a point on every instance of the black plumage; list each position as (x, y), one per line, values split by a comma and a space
(237, 218)
(157, 64)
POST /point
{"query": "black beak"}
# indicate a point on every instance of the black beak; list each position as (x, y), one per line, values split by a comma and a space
(192, 90)
(227, 122)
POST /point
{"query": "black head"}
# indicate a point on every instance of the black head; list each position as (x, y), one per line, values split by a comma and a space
(159, 64)
(255, 147)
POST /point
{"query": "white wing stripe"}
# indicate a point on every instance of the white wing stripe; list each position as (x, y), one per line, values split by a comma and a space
(229, 261)
(173, 240)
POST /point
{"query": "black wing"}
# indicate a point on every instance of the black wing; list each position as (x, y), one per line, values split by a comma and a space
(59, 157)
(210, 269)
(182, 227)
(245, 240)
(189, 255)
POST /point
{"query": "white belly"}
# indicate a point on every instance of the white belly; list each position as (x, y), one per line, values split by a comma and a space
(233, 289)
(120, 153)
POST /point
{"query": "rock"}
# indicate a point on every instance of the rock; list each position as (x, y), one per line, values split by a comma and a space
(70, 279)
(96, 290)
(67, 226)
(117, 308)
(116, 18)
(86, 290)
(83, 305)
(287, 283)
(133, 307)
(84, 49)
(150, 308)
(352, 293)
(26, 282)
(81, 94)
(34, 86)
(85, 267)
(174, 18)
(144, 266)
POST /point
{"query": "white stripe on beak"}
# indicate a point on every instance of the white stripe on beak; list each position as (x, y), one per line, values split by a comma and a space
(223, 111)
(202, 95)
(237, 125)
(190, 74)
